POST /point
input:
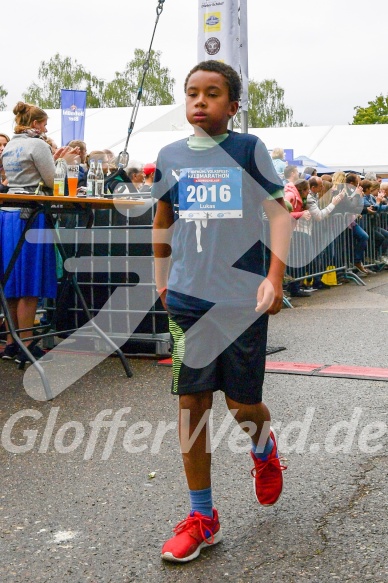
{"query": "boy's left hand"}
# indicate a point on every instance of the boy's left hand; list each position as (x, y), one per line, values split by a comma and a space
(269, 297)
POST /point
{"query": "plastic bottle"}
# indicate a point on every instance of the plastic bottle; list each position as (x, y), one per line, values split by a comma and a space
(59, 178)
(99, 180)
(39, 188)
(91, 180)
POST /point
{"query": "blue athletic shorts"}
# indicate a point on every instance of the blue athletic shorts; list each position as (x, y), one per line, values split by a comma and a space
(222, 349)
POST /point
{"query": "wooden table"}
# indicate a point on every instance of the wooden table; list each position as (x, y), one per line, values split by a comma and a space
(68, 201)
(51, 206)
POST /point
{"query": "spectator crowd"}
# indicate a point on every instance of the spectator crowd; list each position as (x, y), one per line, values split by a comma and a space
(320, 245)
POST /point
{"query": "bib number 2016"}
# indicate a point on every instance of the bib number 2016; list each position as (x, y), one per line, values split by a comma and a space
(201, 193)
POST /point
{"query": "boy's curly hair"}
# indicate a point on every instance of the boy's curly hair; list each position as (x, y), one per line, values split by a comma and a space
(232, 78)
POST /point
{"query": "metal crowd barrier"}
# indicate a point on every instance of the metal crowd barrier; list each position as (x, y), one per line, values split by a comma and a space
(113, 257)
(371, 224)
(330, 247)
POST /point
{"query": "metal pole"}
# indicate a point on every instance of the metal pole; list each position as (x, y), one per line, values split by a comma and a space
(244, 122)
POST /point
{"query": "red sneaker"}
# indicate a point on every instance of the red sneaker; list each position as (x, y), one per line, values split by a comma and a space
(191, 535)
(268, 476)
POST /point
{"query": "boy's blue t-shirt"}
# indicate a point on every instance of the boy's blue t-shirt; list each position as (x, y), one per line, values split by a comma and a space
(216, 260)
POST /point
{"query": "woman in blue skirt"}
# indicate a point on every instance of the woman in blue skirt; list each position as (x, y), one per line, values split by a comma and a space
(27, 160)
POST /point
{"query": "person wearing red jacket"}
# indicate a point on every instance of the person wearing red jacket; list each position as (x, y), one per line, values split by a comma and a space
(301, 239)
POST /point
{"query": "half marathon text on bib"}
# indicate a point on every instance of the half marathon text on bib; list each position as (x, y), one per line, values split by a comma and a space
(210, 193)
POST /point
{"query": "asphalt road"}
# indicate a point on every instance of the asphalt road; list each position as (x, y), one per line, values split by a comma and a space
(79, 503)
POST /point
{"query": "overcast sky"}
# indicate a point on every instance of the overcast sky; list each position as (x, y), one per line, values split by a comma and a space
(328, 55)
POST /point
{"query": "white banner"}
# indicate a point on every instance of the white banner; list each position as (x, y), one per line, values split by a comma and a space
(223, 36)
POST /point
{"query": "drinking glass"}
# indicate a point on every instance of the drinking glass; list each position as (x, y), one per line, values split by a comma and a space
(72, 178)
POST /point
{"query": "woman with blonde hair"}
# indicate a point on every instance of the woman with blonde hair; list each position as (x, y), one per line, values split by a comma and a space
(27, 160)
(338, 179)
(277, 156)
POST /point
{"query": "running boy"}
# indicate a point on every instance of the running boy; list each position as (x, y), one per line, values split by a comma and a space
(212, 190)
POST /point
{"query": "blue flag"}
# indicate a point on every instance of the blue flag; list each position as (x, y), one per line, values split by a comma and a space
(73, 105)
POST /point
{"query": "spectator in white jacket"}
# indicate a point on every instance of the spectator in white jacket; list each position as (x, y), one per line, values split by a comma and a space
(323, 234)
(316, 191)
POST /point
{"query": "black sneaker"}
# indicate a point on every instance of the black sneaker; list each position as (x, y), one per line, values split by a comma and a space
(301, 293)
(36, 352)
(321, 285)
(10, 351)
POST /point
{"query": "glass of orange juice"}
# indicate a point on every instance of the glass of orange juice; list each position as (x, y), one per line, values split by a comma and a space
(72, 178)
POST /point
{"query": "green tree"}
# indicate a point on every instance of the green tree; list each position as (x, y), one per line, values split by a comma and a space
(376, 112)
(63, 73)
(158, 84)
(3, 93)
(266, 107)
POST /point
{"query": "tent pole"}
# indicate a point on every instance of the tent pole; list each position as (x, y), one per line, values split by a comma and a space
(244, 122)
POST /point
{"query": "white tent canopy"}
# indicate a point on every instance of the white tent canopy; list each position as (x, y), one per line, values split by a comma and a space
(359, 148)
(108, 127)
(350, 147)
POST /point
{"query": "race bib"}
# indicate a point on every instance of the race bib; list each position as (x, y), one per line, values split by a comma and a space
(210, 193)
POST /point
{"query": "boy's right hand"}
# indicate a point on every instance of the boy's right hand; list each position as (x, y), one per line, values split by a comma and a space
(163, 299)
(269, 296)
